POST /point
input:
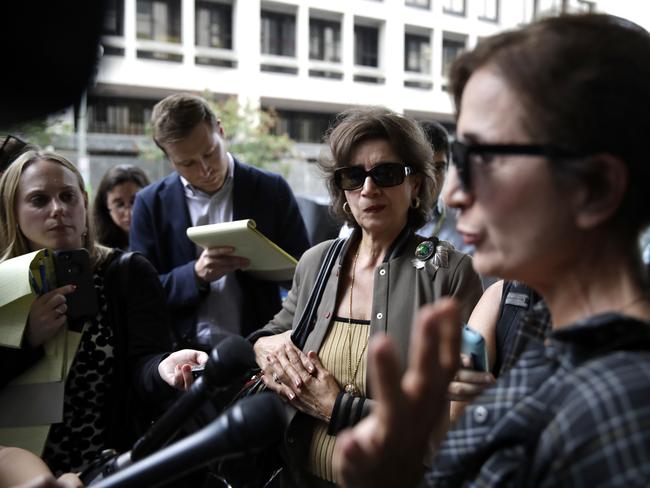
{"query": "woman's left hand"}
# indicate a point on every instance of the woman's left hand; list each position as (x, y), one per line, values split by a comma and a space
(312, 393)
(176, 369)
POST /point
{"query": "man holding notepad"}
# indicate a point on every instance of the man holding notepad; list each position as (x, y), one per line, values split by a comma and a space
(208, 293)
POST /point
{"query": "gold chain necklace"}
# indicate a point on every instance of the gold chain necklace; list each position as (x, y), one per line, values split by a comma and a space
(643, 296)
(351, 388)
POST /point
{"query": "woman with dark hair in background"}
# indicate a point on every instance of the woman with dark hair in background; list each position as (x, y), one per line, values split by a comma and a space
(114, 202)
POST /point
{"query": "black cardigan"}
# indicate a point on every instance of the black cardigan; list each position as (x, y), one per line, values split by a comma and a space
(137, 312)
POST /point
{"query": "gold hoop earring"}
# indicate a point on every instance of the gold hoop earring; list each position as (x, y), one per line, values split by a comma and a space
(415, 203)
(346, 208)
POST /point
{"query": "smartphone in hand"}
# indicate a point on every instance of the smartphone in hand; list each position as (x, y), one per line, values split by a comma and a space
(473, 346)
(73, 268)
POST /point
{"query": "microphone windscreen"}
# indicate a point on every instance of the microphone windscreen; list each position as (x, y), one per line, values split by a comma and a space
(228, 360)
(256, 421)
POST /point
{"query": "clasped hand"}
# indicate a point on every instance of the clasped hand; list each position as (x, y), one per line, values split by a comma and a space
(302, 379)
(215, 262)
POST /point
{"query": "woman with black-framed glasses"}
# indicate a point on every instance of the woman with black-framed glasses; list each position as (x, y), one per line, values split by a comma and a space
(383, 183)
(550, 180)
(114, 202)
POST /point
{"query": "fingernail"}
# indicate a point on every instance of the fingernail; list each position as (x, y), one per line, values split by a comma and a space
(291, 396)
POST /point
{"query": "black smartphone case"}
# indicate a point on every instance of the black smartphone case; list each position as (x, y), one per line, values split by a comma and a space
(73, 268)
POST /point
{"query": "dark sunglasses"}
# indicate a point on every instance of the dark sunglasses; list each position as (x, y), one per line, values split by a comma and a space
(463, 154)
(383, 174)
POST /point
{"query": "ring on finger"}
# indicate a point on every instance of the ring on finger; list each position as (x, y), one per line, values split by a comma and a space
(276, 378)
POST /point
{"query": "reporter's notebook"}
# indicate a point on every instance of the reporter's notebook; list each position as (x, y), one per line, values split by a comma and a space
(268, 260)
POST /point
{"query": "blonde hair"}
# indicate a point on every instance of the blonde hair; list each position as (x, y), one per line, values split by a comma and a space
(12, 241)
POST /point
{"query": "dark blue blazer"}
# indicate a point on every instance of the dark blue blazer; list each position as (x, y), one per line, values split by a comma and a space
(161, 217)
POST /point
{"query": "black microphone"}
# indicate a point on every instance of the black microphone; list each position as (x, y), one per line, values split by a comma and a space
(253, 423)
(228, 360)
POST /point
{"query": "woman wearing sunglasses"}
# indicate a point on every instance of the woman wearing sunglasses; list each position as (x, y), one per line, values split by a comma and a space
(551, 182)
(383, 183)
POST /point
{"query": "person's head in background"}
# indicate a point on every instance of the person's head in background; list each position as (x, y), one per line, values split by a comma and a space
(10, 149)
(439, 139)
(44, 205)
(190, 134)
(113, 204)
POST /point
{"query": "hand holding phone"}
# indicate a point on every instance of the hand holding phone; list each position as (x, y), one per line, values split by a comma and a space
(473, 346)
(73, 268)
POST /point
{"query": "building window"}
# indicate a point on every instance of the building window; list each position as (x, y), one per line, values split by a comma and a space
(456, 7)
(113, 24)
(278, 33)
(586, 6)
(213, 24)
(417, 53)
(418, 3)
(303, 126)
(451, 49)
(366, 46)
(489, 10)
(159, 20)
(111, 115)
(325, 40)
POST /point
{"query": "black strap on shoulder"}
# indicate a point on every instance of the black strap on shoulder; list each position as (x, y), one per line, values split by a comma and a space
(120, 265)
(307, 319)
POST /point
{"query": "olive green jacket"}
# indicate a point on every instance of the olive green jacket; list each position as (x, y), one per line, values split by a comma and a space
(401, 287)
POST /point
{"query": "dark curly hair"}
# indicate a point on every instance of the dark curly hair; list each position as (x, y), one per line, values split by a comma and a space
(405, 137)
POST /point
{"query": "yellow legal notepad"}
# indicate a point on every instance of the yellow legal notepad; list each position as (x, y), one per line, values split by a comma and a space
(33, 400)
(268, 260)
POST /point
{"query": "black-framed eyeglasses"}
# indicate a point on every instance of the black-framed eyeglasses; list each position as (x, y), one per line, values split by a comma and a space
(382, 174)
(464, 153)
(121, 207)
(11, 148)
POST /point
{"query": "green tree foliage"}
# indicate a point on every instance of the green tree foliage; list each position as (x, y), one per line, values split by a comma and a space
(40, 132)
(250, 132)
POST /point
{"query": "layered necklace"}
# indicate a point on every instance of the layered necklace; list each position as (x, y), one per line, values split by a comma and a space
(351, 388)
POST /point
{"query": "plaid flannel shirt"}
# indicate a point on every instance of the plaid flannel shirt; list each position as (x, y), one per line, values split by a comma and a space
(573, 412)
